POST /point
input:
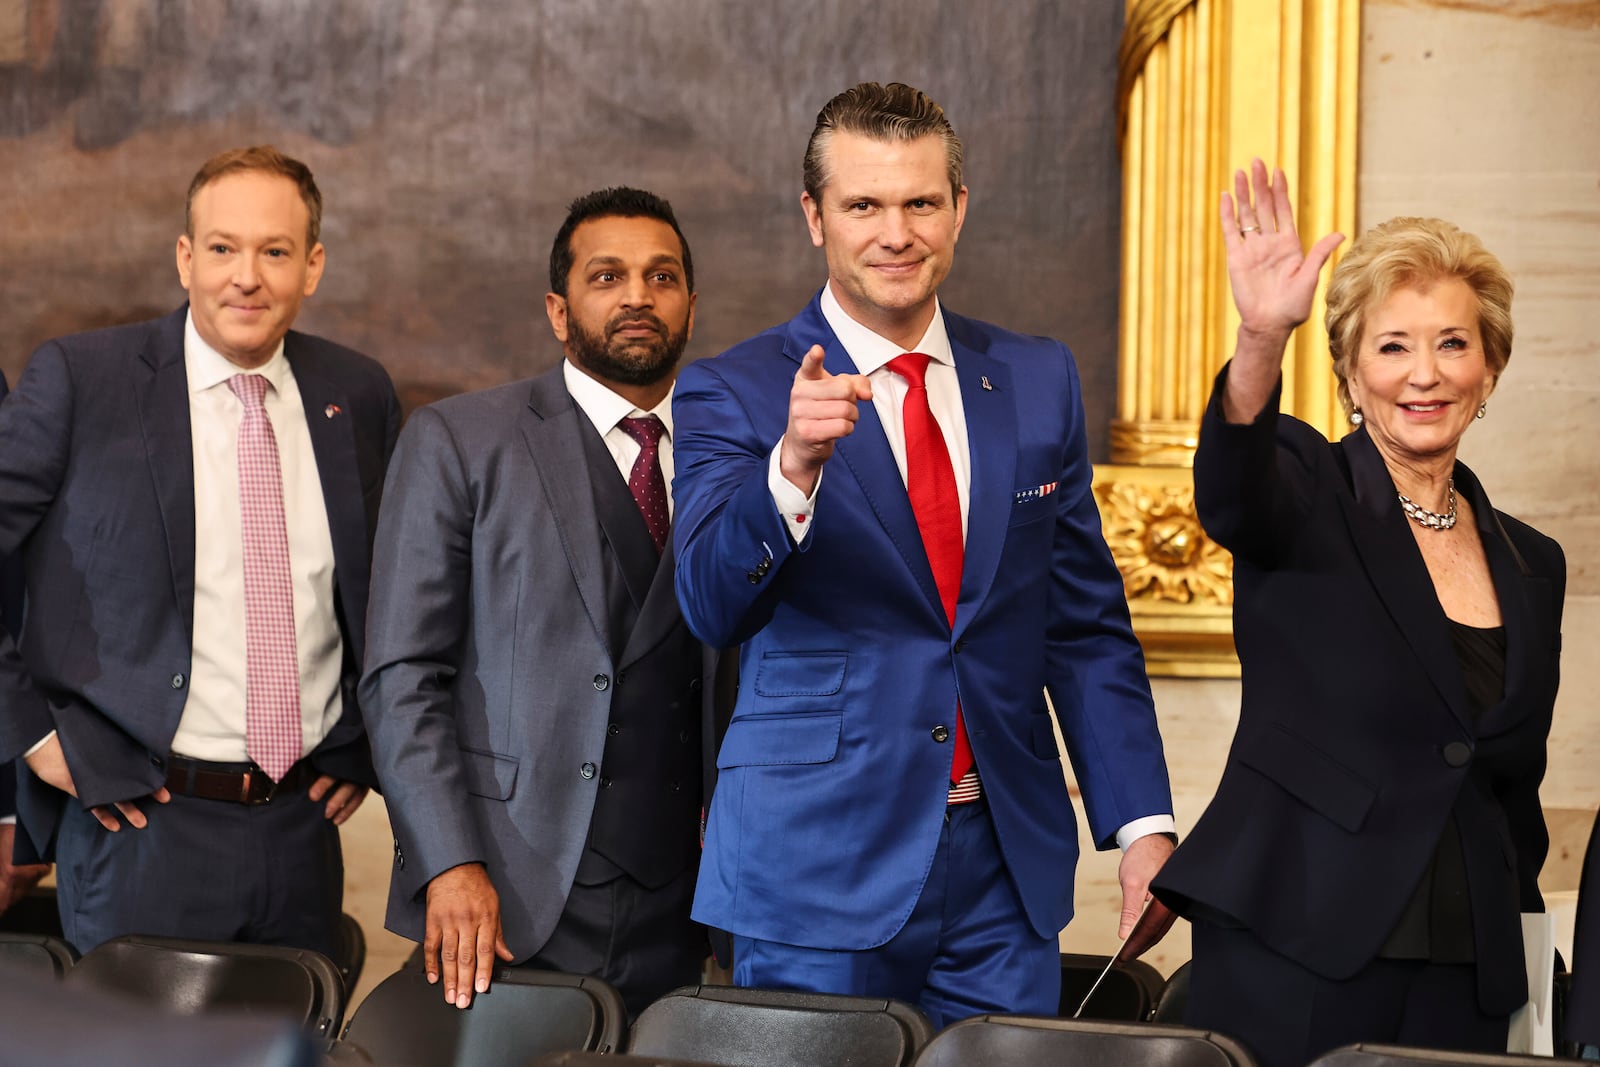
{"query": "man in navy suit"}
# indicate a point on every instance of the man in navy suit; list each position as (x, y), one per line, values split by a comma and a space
(193, 499)
(888, 506)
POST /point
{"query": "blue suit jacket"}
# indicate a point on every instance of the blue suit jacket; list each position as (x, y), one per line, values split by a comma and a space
(97, 492)
(832, 789)
(10, 622)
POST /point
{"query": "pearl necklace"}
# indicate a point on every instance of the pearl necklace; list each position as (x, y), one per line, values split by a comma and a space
(1432, 520)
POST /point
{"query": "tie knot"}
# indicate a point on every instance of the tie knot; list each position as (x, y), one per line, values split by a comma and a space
(647, 431)
(250, 389)
(913, 367)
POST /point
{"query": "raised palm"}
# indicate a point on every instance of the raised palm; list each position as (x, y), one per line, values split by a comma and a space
(1272, 277)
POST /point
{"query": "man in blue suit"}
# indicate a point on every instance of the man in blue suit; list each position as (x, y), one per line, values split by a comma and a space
(193, 499)
(889, 507)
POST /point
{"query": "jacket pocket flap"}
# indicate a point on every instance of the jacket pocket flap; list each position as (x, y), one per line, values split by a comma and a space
(800, 674)
(775, 740)
(1315, 779)
(489, 775)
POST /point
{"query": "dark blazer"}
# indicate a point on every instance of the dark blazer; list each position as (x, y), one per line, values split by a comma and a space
(1355, 737)
(835, 767)
(97, 493)
(10, 622)
(498, 670)
(1583, 1005)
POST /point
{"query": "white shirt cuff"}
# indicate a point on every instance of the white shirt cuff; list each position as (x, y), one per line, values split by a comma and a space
(43, 741)
(795, 507)
(8, 820)
(1150, 824)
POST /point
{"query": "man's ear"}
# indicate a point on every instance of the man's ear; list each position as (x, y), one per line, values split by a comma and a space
(813, 212)
(314, 265)
(555, 309)
(185, 254)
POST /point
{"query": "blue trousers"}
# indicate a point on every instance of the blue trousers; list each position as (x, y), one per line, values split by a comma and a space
(967, 948)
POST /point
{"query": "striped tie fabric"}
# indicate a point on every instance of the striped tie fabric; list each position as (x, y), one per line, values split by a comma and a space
(272, 667)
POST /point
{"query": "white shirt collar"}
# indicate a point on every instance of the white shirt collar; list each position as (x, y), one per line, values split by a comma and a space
(605, 407)
(206, 367)
(870, 350)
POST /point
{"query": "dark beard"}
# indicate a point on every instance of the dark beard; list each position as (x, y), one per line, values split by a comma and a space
(626, 362)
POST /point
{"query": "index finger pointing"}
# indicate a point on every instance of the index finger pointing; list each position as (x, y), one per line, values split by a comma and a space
(811, 365)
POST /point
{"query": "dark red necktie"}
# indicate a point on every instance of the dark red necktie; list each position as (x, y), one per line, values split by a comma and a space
(645, 482)
(931, 485)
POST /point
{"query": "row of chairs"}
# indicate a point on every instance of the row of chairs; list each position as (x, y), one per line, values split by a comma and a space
(534, 1017)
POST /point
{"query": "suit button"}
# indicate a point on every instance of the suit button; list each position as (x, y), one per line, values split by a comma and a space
(961, 644)
(587, 770)
(940, 733)
(613, 729)
(694, 685)
(601, 682)
(605, 783)
(683, 737)
(764, 566)
(177, 681)
(677, 787)
(1457, 753)
(620, 676)
(755, 579)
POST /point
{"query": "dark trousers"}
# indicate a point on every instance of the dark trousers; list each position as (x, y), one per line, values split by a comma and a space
(638, 939)
(1287, 1016)
(967, 948)
(211, 870)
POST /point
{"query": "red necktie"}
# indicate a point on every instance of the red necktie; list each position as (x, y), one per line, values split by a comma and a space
(931, 485)
(645, 481)
(272, 666)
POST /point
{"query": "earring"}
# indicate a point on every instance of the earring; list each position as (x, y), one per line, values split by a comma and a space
(1483, 409)
(1356, 418)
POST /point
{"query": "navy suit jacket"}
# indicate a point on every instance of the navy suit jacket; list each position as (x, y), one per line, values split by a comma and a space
(10, 622)
(97, 493)
(1355, 738)
(1583, 1006)
(833, 775)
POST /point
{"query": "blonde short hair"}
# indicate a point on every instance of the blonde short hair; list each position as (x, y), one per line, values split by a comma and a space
(1405, 252)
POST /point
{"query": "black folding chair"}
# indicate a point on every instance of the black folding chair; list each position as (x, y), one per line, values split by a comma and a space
(405, 1022)
(36, 913)
(1396, 1056)
(615, 1059)
(192, 977)
(1174, 997)
(1129, 992)
(40, 954)
(777, 1028)
(351, 956)
(1033, 1039)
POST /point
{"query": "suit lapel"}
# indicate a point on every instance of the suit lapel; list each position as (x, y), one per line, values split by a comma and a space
(333, 445)
(991, 416)
(1381, 534)
(620, 522)
(1524, 604)
(551, 428)
(659, 613)
(867, 454)
(161, 390)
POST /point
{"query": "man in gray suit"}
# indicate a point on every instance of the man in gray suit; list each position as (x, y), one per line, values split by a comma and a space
(531, 692)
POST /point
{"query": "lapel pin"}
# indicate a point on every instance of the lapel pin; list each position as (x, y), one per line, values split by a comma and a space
(987, 386)
(333, 409)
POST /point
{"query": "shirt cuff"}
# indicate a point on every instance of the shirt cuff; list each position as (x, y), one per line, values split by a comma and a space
(795, 507)
(43, 741)
(8, 820)
(1150, 824)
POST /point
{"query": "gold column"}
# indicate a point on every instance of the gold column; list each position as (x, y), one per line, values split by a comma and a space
(1203, 86)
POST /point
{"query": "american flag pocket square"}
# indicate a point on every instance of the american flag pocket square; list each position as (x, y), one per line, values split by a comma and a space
(1038, 492)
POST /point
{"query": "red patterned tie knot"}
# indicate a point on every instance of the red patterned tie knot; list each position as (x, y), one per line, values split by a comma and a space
(913, 367)
(251, 389)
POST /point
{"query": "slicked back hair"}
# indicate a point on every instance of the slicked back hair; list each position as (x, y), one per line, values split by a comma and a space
(619, 201)
(895, 112)
(261, 159)
(1406, 252)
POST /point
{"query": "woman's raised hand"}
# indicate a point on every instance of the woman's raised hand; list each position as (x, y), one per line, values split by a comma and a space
(1273, 278)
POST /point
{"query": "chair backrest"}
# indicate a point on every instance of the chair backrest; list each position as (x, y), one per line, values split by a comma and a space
(1174, 997)
(1005, 1039)
(774, 1028)
(1129, 992)
(39, 953)
(36, 913)
(615, 1059)
(526, 1013)
(1396, 1056)
(190, 977)
(351, 956)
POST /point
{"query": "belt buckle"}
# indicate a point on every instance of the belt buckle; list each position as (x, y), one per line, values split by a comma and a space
(244, 788)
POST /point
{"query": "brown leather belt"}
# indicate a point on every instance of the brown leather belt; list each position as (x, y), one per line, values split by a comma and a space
(238, 783)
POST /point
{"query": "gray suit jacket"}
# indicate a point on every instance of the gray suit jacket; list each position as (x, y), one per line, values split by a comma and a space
(489, 667)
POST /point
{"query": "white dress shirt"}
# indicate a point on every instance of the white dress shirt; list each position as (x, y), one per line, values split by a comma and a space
(606, 410)
(213, 722)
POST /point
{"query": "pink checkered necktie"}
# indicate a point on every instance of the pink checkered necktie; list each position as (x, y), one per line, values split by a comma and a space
(272, 667)
(645, 482)
(931, 485)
